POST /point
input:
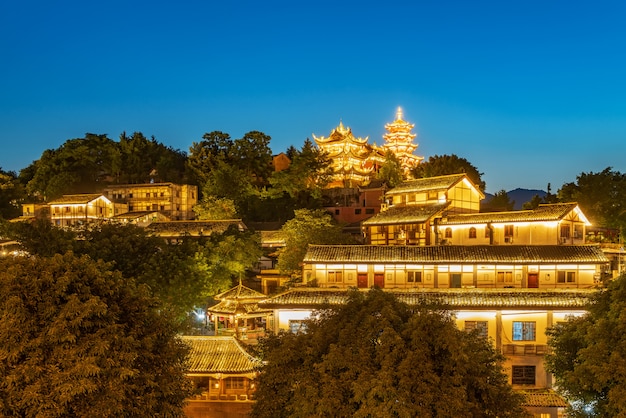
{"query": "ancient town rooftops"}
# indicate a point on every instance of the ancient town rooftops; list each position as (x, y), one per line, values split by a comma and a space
(543, 398)
(459, 254)
(405, 214)
(455, 299)
(339, 134)
(76, 199)
(240, 292)
(218, 355)
(428, 184)
(546, 212)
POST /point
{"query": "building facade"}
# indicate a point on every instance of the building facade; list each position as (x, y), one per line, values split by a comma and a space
(173, 200)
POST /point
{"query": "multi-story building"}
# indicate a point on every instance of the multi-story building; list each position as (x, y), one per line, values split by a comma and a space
(173, 200)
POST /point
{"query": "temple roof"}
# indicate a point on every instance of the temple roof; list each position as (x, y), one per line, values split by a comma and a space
(546, 212)
(405, 214)
(315, 298)
(194, 228)
(458, 254)
(219, 355)
(240, 292)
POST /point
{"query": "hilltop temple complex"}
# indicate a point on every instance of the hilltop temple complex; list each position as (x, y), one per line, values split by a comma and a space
(356, 162)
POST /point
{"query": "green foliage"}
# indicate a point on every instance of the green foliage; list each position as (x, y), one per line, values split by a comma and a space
(12, 193)
(377, 357)
(215, 208)
(308, 174)
(601, 196)
(500, 202)
(391, 170)
(307, 227)
(588, 355)
(533, 203)
(441, 165)
(77, 339)
(252, 155)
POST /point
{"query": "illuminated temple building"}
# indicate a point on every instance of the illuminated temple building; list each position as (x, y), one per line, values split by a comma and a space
(356, 162)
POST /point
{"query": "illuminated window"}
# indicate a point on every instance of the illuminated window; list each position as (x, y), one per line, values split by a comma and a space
(479, 326)
(414, 276)
(147, 194)
(508, 230)
(335, 276)
(448, 233)
(523, 375)
(565, 231)
(472, 232)
(234, 383)
(433, 195)
(566, 277)
(504, 277)
(524, 330)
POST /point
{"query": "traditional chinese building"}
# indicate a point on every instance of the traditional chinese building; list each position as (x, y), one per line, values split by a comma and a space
(354, 161)
(399, 140)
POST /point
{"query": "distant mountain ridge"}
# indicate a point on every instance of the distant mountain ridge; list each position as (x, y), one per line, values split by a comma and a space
(519, 196)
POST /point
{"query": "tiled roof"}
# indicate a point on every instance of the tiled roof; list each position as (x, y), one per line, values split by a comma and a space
(240, 292)
(544, 398)
(134, 214)
(553, 212)
(233, 307)
(495, 254)
(219, 355)
(312, 298)
(405, 214)
(76, 198)
(193, 227)
(425, 184)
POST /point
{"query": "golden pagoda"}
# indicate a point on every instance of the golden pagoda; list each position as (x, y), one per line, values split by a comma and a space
(354, 161)
(399, 140)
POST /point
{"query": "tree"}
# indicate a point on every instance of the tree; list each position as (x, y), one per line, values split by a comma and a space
(375, 356)
(601, 197)
(500, 202)
(391, 170)
(441, 165)
(588, 355)
(11, 194)
(77, 339)
(533, 203)
(307, 227)
(204, 155)
(214, 208)
(252, 155)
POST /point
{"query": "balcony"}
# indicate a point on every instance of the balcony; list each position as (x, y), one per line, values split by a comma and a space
(524, 349)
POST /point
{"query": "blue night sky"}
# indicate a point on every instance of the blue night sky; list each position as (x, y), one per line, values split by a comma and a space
(530, 92)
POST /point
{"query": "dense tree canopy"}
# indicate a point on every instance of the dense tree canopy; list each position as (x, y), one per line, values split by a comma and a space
(441, 165)
(307, 227)
(77, 339)
(601, 196)
(500, 202)
(377, 357)
(391, 170)
(11, 194)
(589, 353)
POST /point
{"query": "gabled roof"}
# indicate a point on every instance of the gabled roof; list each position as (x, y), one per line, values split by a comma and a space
(218, 355)
(460, 254)
(427, 184)
(455, 299)
(240, 292)
(405, 214)
(77, 199)
(546, 212)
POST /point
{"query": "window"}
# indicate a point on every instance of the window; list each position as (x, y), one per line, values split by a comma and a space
(524, 331)
(357, 211)
(414, 276)
(508, 231)
(479, 326)
(487, 232)
(504, 276)
(523, 375)
(154, 194)
(130, 195)
(565, 231)
(336, 211)
(147, 194)
(335, 276)
(369, 211)
(297, 326)
(234, 383)
(566, 277)
(448, 233)
(433, 195)
(472, 232)
(578, 231)
(67, 209)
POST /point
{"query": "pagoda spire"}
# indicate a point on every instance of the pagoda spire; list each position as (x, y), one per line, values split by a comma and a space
(399, 113)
